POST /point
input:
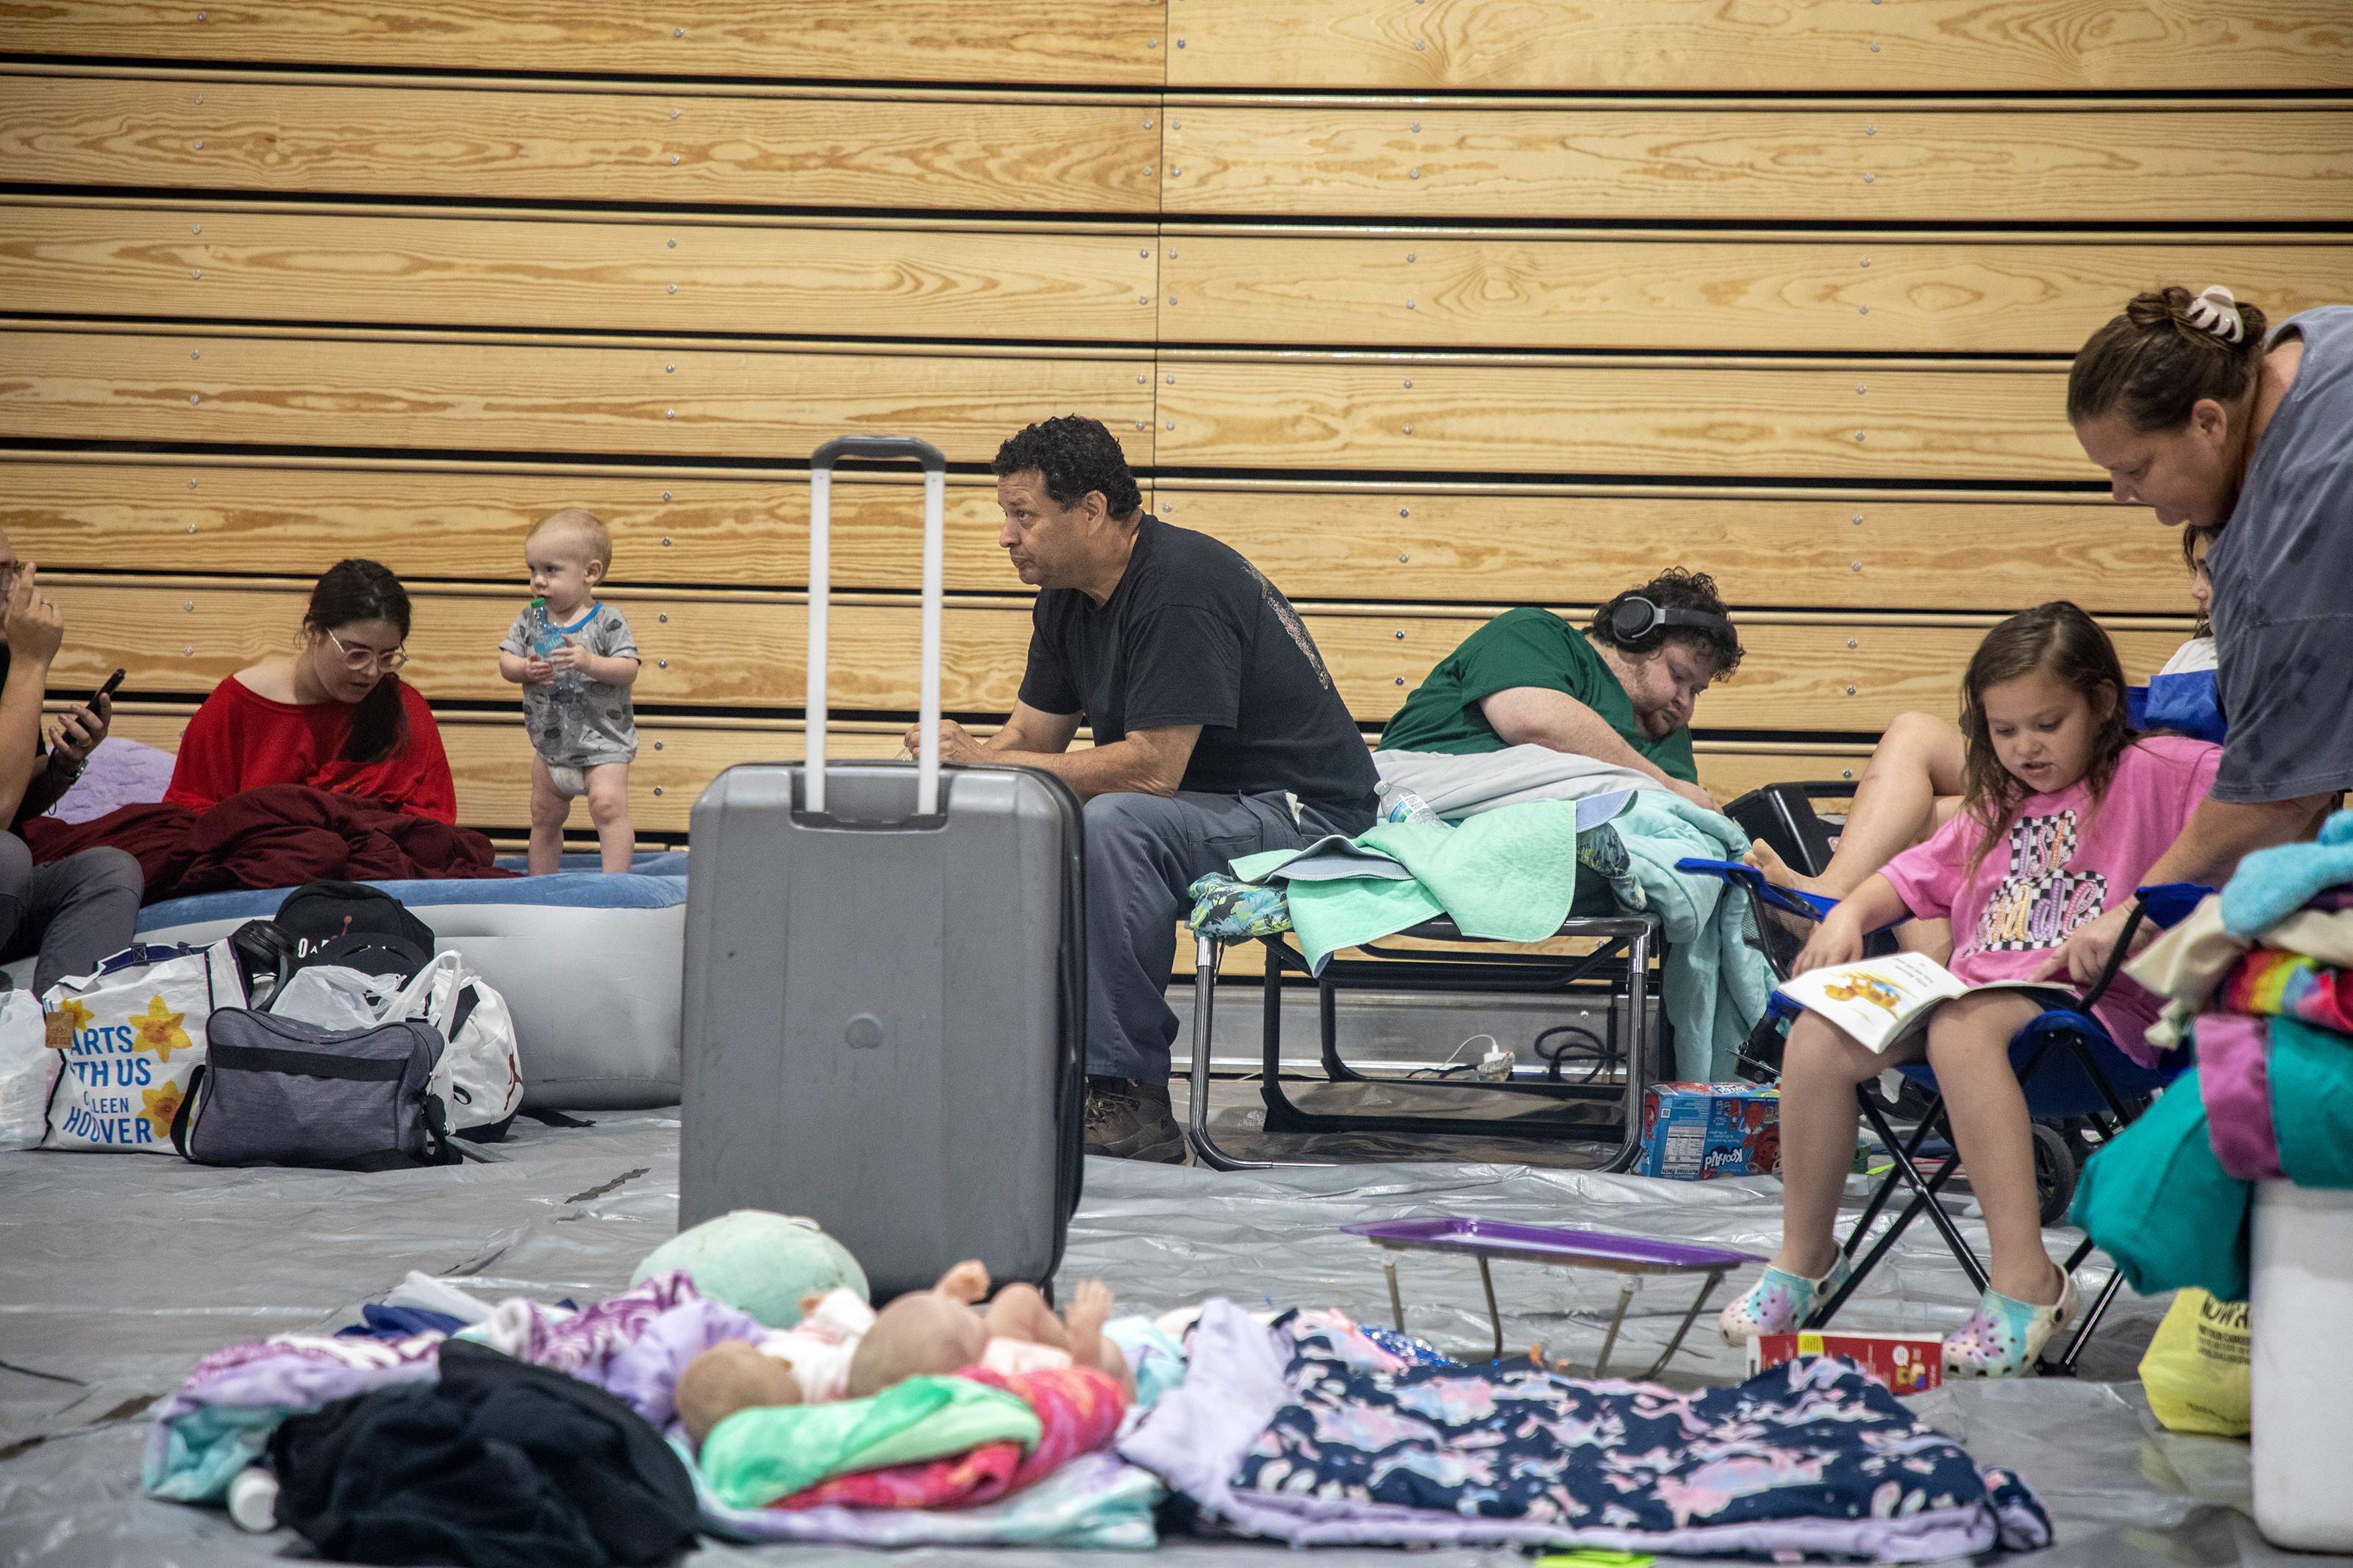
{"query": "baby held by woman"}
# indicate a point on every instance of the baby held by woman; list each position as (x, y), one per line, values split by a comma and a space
(843, 1349)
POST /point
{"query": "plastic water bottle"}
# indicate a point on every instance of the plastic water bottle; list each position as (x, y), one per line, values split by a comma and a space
(1399, 804)
(544, 640)
(253, 1500)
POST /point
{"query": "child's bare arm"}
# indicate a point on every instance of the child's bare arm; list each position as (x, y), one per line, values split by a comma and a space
(611, 669)
(524, 670)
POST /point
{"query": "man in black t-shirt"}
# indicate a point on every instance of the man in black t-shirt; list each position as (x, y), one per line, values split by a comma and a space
(1218, 734)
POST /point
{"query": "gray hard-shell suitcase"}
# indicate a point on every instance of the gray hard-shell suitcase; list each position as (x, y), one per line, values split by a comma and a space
(885, 995)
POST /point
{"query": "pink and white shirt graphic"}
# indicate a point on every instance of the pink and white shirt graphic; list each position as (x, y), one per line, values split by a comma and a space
(2064, 862)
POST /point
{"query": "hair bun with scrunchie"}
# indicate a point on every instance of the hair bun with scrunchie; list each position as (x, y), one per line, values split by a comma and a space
(2214, 310)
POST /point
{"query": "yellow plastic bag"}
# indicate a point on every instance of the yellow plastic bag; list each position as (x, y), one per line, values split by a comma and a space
(2196, 1368)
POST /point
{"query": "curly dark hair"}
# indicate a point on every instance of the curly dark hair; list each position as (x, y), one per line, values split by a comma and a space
(1676, 589)
(1074, 455)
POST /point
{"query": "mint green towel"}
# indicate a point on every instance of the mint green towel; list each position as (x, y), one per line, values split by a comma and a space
(756, 1455)
(1508, 874)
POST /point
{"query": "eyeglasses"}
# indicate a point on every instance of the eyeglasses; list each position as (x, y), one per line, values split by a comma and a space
(359, 658)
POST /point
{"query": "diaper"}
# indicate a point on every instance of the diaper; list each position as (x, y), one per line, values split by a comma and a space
(570, 783)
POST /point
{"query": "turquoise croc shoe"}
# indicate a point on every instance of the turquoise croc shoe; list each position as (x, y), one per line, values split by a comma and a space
(1781, 1302)
(2004, 1338)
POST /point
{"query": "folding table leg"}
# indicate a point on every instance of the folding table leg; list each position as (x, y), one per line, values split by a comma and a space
(1206, 953)
(1715, 1278)
(1494, 1313)
(1397, 1303)
(1626, 1286)
(1638, 1049)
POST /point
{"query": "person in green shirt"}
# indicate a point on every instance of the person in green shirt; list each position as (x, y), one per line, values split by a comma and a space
(1619, 690)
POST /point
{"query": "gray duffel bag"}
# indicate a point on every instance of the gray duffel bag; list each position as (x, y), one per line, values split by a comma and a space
(279, 1092)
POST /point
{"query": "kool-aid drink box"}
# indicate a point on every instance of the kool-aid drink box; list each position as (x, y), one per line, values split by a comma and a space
(1697, 1132)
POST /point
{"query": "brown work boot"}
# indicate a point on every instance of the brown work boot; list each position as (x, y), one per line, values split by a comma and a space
(1128, 1119)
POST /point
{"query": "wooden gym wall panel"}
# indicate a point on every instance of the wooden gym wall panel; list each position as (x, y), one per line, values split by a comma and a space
(749, 650)
(688, 145)
(1484, 544)
(702, 528)
(1430, 415)
(649, 276)
(1858, 165)
(1746, 293)
(1081, 43)
(652, 402)
(1698, 46)
(490, 759)
(1860, 553)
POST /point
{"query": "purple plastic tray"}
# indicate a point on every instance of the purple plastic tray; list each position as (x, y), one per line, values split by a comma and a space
(1547, 1244)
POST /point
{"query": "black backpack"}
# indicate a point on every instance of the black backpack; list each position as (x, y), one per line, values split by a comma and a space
(319, 912)
(347, 923)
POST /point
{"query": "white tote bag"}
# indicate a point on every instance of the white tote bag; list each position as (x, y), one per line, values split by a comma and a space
(132, 1034)
(29, 1071)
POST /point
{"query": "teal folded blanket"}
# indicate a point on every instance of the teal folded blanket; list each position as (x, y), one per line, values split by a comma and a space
(1508, 874)
(1716, 981)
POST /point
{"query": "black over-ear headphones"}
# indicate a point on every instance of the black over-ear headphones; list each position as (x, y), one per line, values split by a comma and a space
(1636, 618)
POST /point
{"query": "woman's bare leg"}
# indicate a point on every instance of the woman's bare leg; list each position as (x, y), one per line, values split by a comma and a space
(1968, 1045)
(1910, 789)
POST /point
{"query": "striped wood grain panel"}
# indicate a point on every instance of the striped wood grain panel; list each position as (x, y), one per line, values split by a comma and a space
(1498, 546)
(1850, 166)
(1477, 543)
(1885, 425)
(351, 138)
(1713, 295)
(652, 401)
(491, 758)
(646, 277)
(1701, 46)
(1081, 43)
(748, 650)
(690, 528)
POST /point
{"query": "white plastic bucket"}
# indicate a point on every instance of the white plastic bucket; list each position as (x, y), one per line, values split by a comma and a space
(2300, 1303)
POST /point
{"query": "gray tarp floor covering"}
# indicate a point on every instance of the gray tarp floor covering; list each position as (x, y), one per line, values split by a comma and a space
(117, 1272)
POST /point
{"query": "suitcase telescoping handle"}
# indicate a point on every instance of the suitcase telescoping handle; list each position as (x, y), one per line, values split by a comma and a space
(936, 476)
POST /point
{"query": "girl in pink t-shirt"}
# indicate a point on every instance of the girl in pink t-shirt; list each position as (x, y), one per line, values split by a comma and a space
(2064, 811)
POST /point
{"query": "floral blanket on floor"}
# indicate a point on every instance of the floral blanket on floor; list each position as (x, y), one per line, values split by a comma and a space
(1309, 1432)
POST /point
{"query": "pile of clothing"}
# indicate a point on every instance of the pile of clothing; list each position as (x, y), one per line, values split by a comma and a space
(2260, 985)
(531, 1432)
(447, 1429)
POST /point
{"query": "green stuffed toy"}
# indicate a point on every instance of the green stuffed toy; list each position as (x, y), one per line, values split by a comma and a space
(758, 1262)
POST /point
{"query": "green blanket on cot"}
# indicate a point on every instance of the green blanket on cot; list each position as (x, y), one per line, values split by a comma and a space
(1510, 875)
(1507, 875)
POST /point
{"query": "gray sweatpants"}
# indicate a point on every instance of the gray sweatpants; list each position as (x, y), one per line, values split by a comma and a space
(72, 912)
(1143, 852)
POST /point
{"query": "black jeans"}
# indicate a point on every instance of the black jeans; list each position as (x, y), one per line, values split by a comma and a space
(73, 911)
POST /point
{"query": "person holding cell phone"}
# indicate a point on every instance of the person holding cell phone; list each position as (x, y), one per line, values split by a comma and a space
(75, 912)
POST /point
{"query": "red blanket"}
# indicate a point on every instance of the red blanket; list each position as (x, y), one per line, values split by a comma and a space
(280, 835)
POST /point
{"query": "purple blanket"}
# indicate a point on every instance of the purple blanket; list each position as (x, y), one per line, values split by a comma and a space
(1310, 1433)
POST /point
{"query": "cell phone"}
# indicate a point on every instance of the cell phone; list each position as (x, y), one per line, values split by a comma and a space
(108, 689)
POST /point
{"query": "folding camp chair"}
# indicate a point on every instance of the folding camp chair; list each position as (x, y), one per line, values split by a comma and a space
(2066, 1063)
